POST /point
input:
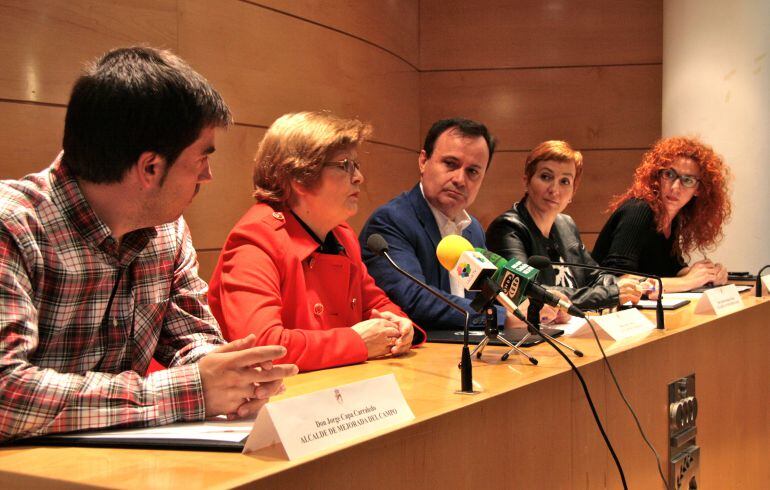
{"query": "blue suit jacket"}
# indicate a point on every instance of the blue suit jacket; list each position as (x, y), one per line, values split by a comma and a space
(410, 229)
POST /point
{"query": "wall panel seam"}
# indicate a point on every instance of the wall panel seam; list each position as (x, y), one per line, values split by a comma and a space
(334, 29)
(375, 142)
(391, 145)
(527, 150)
(523, 68)
(32, 102)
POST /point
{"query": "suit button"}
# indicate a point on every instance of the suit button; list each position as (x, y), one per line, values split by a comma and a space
(279, 216)
(318, 309)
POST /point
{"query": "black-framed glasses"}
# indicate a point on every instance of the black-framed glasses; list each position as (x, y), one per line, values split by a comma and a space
(348, 165)
(671, 175)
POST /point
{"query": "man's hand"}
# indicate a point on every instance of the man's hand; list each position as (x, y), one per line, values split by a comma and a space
(379, 335)
(405, 327)
(239, 378)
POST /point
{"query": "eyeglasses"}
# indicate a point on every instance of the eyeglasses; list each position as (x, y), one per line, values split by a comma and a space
(671, 175)
(348, 165)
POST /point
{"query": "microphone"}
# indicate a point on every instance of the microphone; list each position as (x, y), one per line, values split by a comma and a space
(758, 285)
(379, 246)
(516, 278)
(517, 281)
(545, 263)
(469, 266)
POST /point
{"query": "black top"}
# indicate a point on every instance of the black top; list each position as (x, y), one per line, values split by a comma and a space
(514, 234)
(330, 245)
(630, 240)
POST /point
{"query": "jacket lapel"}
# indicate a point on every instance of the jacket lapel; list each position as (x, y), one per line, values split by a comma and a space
(430, 227)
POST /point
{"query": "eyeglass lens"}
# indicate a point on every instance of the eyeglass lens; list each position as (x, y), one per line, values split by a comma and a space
(671, 175)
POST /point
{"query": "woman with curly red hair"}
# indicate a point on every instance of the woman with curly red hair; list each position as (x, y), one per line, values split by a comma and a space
(677, 204)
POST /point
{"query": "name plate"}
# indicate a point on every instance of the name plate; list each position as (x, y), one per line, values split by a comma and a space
(719, 301)
(316, 421)
(617, 326)
(765, 284)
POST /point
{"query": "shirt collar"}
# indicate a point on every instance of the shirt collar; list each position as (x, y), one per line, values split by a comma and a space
(445, 225)
(73, 205)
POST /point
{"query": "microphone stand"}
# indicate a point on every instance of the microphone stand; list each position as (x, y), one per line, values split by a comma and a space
(534, 312)
(659, 317)
(484, 301)
(466, 367)
(758, 285)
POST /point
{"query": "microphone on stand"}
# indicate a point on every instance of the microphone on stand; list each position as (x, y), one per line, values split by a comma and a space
(758, 285)
(379, 246)
(517, 280)
(544, 262)
(512, 281)
(469, 266)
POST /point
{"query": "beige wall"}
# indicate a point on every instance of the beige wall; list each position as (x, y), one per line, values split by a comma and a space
(716, 85)
(585, 71)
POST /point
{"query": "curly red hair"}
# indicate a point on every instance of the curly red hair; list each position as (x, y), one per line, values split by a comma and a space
(700, 220)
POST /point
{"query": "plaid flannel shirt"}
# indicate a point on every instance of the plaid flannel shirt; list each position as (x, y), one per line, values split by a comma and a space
(81, 319)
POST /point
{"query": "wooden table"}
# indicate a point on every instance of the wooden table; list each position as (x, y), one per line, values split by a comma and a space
(530, 427)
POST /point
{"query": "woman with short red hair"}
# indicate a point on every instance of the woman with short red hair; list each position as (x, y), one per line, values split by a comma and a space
(537, 225)
(677, 204)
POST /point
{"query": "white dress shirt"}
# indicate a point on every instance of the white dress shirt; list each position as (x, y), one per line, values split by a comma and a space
(446, 227)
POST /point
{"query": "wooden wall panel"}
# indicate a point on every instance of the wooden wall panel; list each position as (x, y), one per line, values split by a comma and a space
(266, 64)
(387, 172)
(533, 33)
(44, 44)
(207, 261)
(588, 72)
(598, 107)
(392, 25)
(31, 137)
(502, 187)
(589, 239)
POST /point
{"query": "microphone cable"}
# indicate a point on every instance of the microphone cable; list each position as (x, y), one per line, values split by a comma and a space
(545, 261)
(628, 405)
(583, 384)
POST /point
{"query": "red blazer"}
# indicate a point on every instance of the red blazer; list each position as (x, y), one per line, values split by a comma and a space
(270, 281)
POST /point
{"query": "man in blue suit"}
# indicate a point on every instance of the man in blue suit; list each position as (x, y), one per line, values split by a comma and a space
(454, 159)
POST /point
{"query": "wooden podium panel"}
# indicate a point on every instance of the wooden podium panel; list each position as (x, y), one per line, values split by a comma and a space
(529, 428)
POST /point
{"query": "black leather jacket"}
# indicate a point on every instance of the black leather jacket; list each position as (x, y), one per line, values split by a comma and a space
(514, 234)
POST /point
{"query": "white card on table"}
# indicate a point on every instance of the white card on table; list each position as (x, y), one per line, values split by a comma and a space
(618, 326)
(765, 284)
(719, 300)
(308, 423)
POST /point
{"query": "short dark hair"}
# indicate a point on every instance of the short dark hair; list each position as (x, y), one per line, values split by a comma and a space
(133, 100)
(466, 126)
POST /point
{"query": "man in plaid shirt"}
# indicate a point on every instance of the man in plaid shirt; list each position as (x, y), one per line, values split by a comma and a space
(97, 269)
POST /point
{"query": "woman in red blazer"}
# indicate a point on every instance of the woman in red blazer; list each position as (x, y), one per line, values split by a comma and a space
(291, 270)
